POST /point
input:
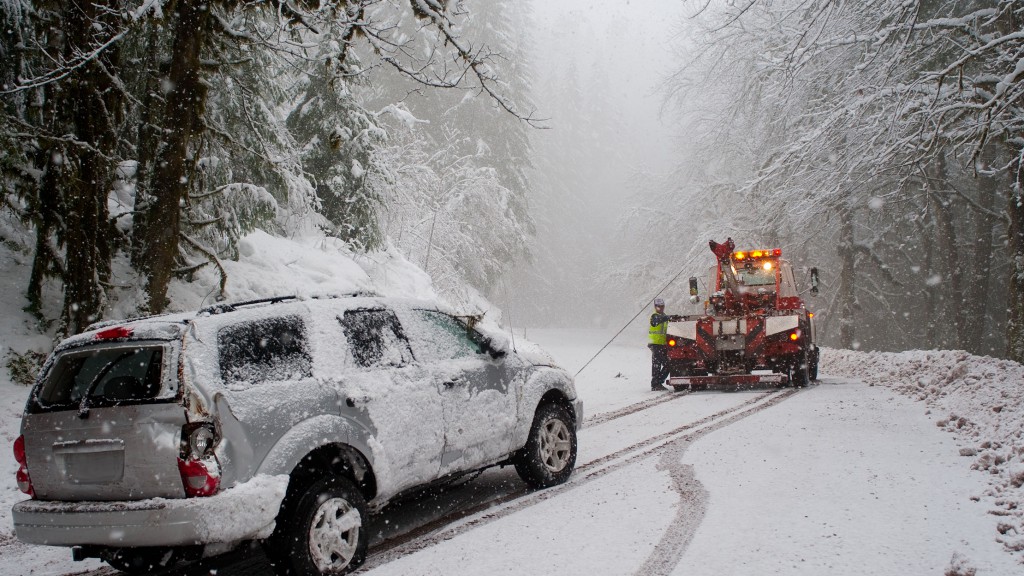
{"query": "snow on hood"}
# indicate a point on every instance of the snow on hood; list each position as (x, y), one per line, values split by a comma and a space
(533, 353)
(527, 350)
(977, 398)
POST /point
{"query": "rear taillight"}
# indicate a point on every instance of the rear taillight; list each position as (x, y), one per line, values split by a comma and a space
(24, 481)
(200, 477)
(19, 450)
(199, 468)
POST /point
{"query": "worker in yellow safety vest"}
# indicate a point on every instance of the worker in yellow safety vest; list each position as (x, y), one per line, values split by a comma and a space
(658, 336)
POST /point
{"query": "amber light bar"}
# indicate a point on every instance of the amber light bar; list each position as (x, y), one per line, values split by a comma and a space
(776, 252)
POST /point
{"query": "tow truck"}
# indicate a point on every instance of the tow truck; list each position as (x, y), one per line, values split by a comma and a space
(756, 330)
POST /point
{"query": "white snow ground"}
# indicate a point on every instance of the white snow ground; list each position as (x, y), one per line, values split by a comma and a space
(906, 463)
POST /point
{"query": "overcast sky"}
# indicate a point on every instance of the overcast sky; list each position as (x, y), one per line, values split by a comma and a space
(632, 41)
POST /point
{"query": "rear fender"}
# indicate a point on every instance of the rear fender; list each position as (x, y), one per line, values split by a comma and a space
(311, 434)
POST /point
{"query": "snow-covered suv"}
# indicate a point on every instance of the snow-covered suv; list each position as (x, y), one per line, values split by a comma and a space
(284, 420)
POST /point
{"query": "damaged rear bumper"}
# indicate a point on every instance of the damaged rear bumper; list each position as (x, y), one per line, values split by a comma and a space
(245, 512)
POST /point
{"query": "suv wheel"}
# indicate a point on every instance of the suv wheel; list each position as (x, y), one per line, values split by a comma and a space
(324, 533)
(550, 452)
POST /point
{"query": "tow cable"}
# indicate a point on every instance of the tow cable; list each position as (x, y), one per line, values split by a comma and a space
(639, 312)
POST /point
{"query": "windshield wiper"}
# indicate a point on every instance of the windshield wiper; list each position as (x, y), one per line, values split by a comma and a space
(83, 405)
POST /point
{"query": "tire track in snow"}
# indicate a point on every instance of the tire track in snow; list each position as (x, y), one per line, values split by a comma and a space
(603, 417)
(693, 504)
(668, 551)
(693, 500)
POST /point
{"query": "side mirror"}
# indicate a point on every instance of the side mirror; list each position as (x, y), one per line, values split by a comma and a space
(814, 280)
(694, 298)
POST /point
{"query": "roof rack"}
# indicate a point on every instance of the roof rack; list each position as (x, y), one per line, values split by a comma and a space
(224, 307)
(232, 306)
(112, 322)
(356, 294)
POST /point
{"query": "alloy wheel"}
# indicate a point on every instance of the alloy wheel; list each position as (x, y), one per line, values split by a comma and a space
(334, 534)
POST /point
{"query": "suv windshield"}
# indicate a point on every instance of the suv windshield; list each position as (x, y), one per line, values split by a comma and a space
(107, 375)
(438, 336)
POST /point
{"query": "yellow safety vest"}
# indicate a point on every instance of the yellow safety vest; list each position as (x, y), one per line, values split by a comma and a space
(658, 333)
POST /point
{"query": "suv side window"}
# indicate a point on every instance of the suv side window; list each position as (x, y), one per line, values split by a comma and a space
(264, 350)
(375, 338)
(444, 338)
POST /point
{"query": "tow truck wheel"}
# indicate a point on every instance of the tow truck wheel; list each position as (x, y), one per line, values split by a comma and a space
(800, 373)
(814, 365)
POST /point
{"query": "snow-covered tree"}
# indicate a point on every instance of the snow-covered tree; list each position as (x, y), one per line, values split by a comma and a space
(882, 134)
(188, 116)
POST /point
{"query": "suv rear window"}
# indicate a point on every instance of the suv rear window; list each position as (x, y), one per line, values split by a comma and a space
(375, 338)
(108, 375)
(264, 350)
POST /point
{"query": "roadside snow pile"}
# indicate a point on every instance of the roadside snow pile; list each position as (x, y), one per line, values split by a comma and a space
(979, 399)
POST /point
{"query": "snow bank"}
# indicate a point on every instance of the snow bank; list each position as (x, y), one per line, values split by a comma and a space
(979, 399)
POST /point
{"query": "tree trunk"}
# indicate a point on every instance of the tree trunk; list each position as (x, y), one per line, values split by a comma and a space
(148, 138)
(96, 103)
(976, 295)
(46, 212)
(847, 297)
(182, 113)
(929, 292)
(951, 317)
(1015, 301)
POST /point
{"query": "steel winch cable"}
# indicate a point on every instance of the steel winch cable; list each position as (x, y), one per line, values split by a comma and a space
(639, 312)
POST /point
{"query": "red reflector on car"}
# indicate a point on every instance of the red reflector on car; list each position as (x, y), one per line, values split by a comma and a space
(114, 333)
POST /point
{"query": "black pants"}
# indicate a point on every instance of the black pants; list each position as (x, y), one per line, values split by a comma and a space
(659, 364)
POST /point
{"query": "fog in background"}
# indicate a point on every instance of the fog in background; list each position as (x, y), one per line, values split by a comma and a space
(596, 71)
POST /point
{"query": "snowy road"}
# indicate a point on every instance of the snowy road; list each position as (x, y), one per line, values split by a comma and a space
(840, 478)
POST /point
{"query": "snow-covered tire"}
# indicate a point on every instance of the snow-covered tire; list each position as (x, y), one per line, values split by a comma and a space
(323, 533)
(549, 456)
